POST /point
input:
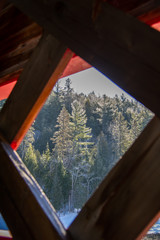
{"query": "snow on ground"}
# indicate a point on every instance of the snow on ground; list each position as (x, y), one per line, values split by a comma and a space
(67, 219)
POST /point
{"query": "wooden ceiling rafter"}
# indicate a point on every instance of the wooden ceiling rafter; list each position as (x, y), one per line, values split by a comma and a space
(147, 8)
(126, 56)
(12, 63)
(102, 207)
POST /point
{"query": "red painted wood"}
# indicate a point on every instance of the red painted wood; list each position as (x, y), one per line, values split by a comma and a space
(156, 26)
(75, 65)
(6, 88)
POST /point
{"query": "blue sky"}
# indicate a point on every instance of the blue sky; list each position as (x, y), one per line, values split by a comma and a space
(92, 80)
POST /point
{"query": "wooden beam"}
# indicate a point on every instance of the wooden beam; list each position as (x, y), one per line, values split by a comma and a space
(15, 59)
(128, 198)
(145, 8)
(123, 48)
(28, 212)
(33, 87)
(151, 17)
(19, 37)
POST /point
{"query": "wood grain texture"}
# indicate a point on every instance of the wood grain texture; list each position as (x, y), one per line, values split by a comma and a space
(145, 8)
(19, 34)
(124, 49)
(128, 198)
(24, 205)
(19, 37)
(33, 87)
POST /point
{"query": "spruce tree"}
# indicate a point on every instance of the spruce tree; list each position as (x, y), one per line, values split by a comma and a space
(121, 136)
(81, 135)
(27, 142)
(62, 138)
(30, 159)
(68, 95)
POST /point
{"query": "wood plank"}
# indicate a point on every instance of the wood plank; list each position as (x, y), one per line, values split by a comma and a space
(24, 205)
(128, 198)
(146, 8)
(14, 44)
(123, 48)
(33, 87)
(151, 17)
(19, 37)
(15, 60)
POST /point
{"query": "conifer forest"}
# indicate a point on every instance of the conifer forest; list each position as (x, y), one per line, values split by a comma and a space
(75, 141)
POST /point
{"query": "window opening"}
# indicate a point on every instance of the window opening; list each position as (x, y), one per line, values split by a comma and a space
(78, 137)
(2, 102)
(4, 231)
(154, 232)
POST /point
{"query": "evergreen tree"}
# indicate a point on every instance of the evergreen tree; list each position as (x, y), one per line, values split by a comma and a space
(62, 151)
(62, 138)
(92, 115)
(30, 159)
(79, 160)
(54, 183)
(121, 136)
(103, 159)
(68, 95)
(44, 161)
(27, 142)
(106, 110)
(46, 120)
(81, 145)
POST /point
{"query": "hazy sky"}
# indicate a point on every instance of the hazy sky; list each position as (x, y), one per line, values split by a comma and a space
(92, 80)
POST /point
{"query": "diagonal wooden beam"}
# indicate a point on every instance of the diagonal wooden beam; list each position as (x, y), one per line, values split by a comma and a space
(25, 207)
(146, 10)
(33, 87)
(128, 198)
(123, 48)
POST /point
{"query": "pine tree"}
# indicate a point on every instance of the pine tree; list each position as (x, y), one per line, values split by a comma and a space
(81, 133)
(61, 162)
(92, 114)
(68, 95)
(62, 138)
(27, 142)
(81, 145)
(54, 184)
(121, 136)
(30, 159)
(44, 161)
